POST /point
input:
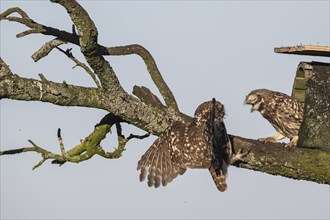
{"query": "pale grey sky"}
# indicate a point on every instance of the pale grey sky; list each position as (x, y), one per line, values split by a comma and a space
(204, 49)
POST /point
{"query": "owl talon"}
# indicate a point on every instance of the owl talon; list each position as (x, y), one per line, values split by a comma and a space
(293, 143)
(239, 156)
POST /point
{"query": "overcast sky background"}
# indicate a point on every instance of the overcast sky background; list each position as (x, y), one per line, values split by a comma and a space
(204, 49)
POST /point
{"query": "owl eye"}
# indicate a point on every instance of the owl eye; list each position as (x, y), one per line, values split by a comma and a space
(253, 98)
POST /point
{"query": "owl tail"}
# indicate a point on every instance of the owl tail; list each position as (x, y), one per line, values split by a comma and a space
(219, 179)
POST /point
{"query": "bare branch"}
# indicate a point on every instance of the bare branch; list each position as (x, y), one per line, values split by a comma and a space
(82, 65)
(24, 19)
(101, 50)
(131, 136)
(25, 33)
(42, 77)
(83, 151)
(95, 138)
(88, 44)
(152, 69)
(60, 142)
(13, 10)
(39, 164)
(46, 49)
(20, 88)
(99, 65)
(127, 107)
(274, 158)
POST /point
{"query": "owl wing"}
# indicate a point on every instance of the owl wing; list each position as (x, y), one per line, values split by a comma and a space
(222, 151)
(157, 164)
(289, 107)
(222, 148)
(295, 109)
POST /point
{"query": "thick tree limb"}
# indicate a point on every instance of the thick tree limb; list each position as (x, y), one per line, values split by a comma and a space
(126, 106)
(88, 35)
(19, 88)
(274, 158)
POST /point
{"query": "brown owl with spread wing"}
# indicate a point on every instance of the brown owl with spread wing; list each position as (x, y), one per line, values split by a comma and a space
(202, 144)
(282, 111)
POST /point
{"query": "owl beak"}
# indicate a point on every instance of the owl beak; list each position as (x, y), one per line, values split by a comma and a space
(246, 102)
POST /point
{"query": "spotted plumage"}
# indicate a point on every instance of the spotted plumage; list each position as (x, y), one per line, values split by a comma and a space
(202, 144)
(283, 112)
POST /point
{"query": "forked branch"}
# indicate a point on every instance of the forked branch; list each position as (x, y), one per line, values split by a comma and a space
(63, 36)
(90, 146)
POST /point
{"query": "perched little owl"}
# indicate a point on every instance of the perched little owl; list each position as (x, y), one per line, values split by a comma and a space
(282, 111)
(202, 144)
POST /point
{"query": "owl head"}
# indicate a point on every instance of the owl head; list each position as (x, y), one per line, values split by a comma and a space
(202, 113)
(256, 99)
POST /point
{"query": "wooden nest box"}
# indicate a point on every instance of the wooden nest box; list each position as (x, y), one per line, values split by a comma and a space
(312, 86)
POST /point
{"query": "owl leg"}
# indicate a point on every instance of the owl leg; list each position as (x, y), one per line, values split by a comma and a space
(292, 143)
(274, 138)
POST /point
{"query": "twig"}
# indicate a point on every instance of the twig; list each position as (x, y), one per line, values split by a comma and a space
(40, 163)
(24, 33)
(25, 19)
(46, 49)
(13, 10)
(60, 141)
(69, 54)
(42, 77)
(131, 136)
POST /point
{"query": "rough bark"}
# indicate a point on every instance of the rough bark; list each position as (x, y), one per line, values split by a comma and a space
(273, 158)
(143, 110)
(315, 129)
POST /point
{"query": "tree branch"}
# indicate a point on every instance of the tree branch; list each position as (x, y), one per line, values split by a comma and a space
(101, 50)
(152, 69)
(88, 35)
(300, 163)
(19, 88)
(82, 65)
(146, 117)
(274, 158)
(46, 49)
(87, 148)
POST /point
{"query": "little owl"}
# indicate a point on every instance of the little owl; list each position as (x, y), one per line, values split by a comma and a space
(282, 111)
(204, 143)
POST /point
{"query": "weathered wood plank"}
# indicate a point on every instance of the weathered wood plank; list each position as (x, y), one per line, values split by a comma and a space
(310, 50)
